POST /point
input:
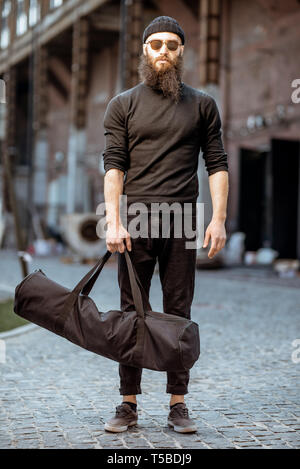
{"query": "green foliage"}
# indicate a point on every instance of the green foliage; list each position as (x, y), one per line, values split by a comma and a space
(8, 319)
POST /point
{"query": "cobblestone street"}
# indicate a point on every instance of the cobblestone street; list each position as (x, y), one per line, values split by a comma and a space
(243, 391)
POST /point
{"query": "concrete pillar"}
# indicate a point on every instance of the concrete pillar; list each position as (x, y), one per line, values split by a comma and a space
(77, 181)
(40, 180)
(40, 143)
(76, 185)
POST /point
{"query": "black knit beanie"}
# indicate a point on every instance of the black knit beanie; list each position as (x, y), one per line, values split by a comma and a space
(163, 24)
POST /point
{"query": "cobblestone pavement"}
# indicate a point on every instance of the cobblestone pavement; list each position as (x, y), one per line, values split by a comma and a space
(243, 392)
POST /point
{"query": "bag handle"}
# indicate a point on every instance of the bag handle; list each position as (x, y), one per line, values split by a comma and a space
(142, 290)
(91, 282)
(88, 282)
(94, 271)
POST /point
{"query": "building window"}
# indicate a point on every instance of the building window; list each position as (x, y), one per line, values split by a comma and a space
(21, 18)
(55, 3)
(34, 12)
(5, 32)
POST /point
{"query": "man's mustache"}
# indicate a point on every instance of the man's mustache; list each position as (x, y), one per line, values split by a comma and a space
(163, 58)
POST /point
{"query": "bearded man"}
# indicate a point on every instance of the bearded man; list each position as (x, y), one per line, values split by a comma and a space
(154, 133)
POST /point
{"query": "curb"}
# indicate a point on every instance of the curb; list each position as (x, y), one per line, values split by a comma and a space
(18, 331)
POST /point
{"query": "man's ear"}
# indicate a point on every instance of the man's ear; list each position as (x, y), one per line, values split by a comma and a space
(182, 50)
(144, 48)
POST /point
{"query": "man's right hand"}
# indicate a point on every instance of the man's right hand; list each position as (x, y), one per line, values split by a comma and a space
(115, 236)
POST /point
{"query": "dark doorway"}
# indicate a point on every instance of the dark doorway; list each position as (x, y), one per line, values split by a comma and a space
(269, 205)
(252, 197)
(285, 200)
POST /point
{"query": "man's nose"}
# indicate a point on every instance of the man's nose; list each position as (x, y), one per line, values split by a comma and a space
(164, 48)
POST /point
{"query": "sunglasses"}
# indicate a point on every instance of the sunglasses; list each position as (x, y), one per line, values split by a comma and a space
(156, 44)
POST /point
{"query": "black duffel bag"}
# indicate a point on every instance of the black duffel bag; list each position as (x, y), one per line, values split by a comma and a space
(142, 338)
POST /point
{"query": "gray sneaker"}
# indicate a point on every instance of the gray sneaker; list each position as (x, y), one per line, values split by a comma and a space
(179, 419)
(124, 417)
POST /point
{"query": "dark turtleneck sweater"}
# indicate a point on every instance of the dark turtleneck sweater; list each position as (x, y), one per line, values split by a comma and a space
(156, 142)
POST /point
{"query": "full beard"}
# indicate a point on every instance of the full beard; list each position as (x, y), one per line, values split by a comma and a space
(168, 80)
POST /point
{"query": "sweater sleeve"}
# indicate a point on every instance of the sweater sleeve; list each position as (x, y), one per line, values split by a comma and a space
(115, 154)
(212, 144)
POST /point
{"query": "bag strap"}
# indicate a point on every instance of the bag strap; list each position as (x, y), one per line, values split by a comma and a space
(140, 300)
(140, 330)
(91, 277)
(134, 280)
(148, 306)
(80, 287)
(91, 282)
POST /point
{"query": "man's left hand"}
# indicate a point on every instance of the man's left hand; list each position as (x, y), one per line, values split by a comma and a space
(217, 234)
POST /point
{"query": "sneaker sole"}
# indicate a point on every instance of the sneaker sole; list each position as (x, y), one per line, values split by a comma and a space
(178, 429)
(111, 428)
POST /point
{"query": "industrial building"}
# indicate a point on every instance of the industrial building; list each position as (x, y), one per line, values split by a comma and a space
(63, 60)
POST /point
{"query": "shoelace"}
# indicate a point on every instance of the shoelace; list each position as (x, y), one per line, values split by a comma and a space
(121, 410)
(182, 409)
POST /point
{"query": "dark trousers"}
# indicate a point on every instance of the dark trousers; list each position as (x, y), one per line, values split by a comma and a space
(177, 275)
